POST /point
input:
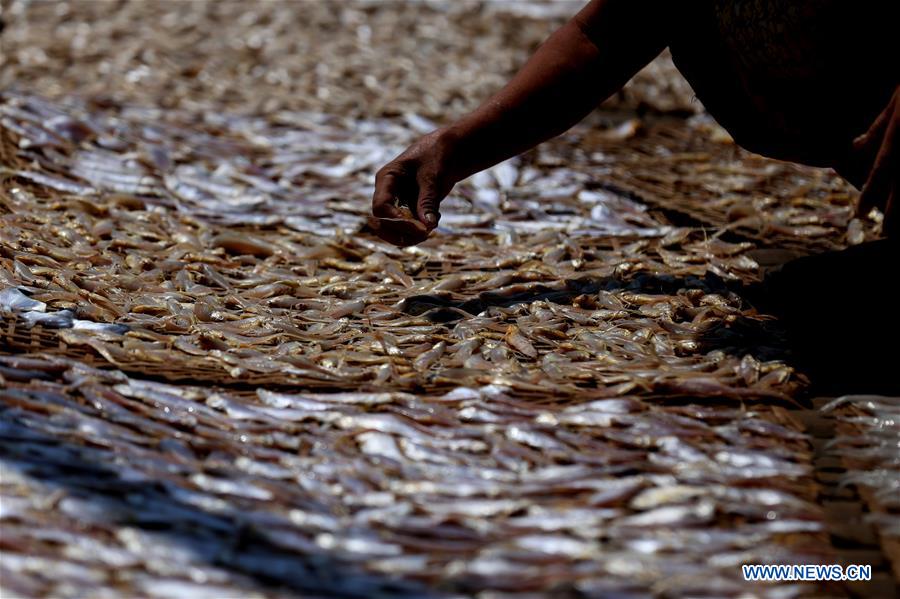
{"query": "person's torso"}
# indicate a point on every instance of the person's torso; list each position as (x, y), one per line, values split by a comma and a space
(797, 79)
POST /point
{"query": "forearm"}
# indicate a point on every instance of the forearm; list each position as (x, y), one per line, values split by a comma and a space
(585, 61)
(580, 65)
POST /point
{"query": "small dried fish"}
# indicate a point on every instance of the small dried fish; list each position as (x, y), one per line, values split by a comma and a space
(13, 300)
(33, 312)
(517, 341)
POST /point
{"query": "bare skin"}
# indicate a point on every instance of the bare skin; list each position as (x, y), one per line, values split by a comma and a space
(771, 77)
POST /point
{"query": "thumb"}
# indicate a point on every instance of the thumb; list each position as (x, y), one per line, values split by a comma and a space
(882, 177)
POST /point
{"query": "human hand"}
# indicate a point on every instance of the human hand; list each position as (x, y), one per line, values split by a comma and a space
(409, 189)
(882, 187)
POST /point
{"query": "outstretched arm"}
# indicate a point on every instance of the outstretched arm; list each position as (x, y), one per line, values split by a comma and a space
(581, 64)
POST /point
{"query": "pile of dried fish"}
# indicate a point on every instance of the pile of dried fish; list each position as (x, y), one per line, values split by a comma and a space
(310, 172)
(149, 489)
(489, 433)
(215, 382)
(533, 278)
(354, 58)
(694, 172)
(869, 445)
(313, 173)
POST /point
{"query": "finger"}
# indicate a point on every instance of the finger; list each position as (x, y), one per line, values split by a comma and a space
(872, 195)
(891, 226)
(864, 149)
(426, 207)
(880, 180)
(387, 186)
(871, 139)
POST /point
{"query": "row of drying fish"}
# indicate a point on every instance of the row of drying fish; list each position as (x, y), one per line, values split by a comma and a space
(542, 311)
(154, 489)
(545, 308)
(314, 173)
(357, 57)
(310, 172)
(695, 170)
(868, 443)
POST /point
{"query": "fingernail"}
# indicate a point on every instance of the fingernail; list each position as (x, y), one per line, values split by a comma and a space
(430, 218)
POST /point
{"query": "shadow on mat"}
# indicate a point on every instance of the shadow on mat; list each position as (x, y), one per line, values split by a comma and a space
(837, 313)
(763, 339)
(842, 316)
(106, 488)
